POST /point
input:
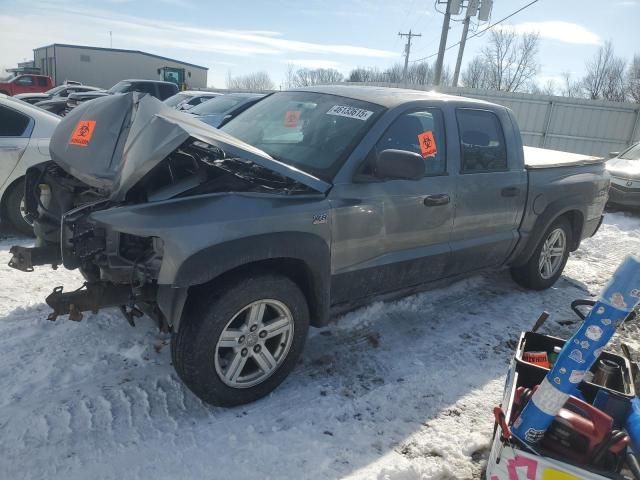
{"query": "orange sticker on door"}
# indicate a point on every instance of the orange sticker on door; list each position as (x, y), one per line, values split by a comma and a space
(427, 144)
(83, 133)
(291, 118)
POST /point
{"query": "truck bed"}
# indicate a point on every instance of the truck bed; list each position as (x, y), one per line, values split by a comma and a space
(544, 158)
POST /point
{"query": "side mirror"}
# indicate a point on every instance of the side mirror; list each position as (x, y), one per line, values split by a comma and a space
(399, 164)
(613, 154)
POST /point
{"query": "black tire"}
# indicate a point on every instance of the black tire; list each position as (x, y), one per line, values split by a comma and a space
(529, 274)
(12, 213)
(193, 346)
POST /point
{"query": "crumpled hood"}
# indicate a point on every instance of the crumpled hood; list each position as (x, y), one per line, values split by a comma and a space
(112, 142)
(623, 167)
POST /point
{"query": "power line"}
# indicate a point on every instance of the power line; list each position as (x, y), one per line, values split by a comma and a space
(479, 32)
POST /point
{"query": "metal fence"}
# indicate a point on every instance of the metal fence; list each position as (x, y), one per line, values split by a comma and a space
(592, 127)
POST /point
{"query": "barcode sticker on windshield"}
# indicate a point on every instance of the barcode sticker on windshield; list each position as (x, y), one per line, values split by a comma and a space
(350, 112)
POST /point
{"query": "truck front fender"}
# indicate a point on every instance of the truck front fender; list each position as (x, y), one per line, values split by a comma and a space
(310, 253)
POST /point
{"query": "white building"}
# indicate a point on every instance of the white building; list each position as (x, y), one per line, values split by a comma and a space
(104, 67)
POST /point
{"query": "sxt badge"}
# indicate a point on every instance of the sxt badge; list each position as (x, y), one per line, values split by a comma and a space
(319, 218)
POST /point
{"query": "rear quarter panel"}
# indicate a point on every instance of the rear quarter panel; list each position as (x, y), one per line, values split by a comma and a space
(580, 190)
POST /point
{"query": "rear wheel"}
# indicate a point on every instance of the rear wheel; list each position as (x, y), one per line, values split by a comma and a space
(548, 259)
(14, 209)
(239, 346)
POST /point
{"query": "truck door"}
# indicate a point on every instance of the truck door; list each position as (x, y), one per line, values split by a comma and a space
(490, 191)
(389, 234)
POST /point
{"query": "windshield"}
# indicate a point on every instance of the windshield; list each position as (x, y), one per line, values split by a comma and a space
(120, 87)
(314, 132)
(217, 105)
(55, 90)
(176, 99)
(631, 154)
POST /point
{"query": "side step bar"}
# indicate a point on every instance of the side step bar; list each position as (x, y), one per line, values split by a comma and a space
(25, 258)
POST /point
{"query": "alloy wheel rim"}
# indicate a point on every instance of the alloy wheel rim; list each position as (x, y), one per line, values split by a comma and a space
(254, 343)
(552, 253)
(23, 212)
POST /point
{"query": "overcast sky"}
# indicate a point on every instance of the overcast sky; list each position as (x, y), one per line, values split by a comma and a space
(244, 36)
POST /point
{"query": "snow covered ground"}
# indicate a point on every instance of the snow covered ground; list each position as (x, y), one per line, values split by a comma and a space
(395, 391)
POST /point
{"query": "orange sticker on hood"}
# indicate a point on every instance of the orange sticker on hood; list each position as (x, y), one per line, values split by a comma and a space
(427, 144)
(83, 132)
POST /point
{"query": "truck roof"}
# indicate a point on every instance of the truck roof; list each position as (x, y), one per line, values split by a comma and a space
(388, 97)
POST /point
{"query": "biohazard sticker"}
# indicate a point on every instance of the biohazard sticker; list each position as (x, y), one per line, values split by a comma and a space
(291, 118)
(82, 133)
(427, 144)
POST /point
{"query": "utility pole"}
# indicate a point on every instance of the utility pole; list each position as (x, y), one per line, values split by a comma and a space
(472, 10)
(443, 43)
(110, 39)
(407, 50)
(463, 41)
(483, 15)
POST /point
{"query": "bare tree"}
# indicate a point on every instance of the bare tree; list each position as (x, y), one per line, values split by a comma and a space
(305, 77)
(605, 74)
(365, 74)
(475, 75)
(289, 75)
(569, 87)
(258, 81)
(394, 74)
(633, 79)
(510, 60)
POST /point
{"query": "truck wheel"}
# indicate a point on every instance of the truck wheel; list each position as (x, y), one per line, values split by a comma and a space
(14, 209)
(548, 260)
(238, 346)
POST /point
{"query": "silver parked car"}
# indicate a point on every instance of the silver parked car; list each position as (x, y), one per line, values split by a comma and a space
(625, 177)
(25, 131)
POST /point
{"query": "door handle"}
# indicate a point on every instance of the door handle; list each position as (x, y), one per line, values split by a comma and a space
(436, 200)
(510, 192)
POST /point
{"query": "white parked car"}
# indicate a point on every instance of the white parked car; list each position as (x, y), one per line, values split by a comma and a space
(25, 131)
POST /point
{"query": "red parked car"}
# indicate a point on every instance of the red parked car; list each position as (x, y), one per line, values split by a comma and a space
(26, 83)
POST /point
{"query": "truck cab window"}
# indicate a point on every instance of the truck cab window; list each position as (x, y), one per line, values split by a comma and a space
(482, 141)
(25, 80)
(420, 132)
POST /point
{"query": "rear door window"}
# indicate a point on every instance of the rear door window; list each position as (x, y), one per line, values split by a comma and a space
(482, 144)
(42, 81)
(13, 123)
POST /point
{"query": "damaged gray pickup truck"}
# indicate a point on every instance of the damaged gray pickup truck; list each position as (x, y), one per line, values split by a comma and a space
(307, 204)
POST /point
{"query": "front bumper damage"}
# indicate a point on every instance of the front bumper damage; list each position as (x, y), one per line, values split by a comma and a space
(92, 297)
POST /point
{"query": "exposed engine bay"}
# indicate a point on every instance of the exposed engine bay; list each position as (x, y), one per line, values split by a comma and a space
(121, 269)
